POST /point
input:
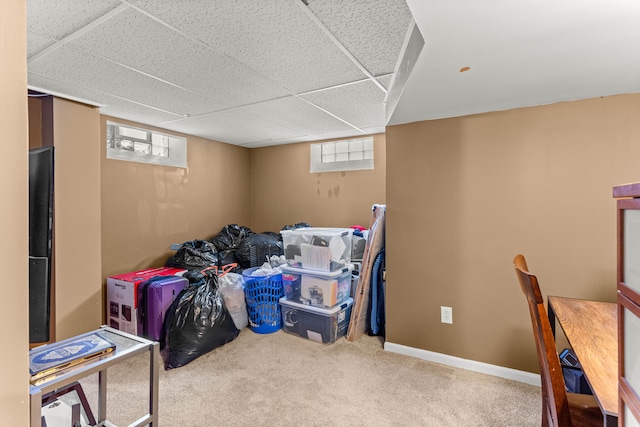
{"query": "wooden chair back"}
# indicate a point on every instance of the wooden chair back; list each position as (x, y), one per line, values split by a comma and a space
(555, 405)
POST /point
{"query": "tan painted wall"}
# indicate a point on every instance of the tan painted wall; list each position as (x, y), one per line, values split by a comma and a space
(465, 195)
(146, 208)
(285, 192)
(14, 214)
(78, 290)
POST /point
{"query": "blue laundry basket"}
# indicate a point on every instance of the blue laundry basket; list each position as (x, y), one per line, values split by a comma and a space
(262, 295)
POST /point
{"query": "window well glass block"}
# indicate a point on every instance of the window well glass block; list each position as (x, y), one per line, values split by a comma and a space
(342, 147)
(338, 156)
(124, 144)
(141, 147)
(160, 151)
(342, 157)
(145, 146)
(159, 140)
(328, 148)
(355, 145)
(132, 133)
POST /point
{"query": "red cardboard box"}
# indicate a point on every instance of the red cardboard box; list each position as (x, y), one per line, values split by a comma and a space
(122, 296)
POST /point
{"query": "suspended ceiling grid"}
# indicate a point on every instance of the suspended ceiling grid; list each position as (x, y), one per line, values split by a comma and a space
(245, 72)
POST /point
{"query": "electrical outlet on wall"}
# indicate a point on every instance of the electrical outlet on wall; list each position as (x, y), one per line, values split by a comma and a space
(446, 314)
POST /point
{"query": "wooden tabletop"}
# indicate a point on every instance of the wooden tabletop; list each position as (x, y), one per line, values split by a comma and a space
(591, 327)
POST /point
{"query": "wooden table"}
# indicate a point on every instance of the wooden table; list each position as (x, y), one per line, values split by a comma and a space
(591, 327)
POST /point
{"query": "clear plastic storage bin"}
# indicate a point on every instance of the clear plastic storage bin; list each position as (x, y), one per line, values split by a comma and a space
(322, 249)
(316, 288)
(323, 325)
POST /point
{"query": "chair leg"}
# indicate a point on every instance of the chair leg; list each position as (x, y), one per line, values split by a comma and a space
(545, 414)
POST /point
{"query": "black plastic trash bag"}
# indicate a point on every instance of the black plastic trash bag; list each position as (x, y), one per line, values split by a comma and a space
(256, 249)
(296, 225)
(230, 237)
(194, 255)
(196, 323)
(227, 257)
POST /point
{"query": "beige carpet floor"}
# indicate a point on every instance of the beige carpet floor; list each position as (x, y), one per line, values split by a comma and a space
(280, 379)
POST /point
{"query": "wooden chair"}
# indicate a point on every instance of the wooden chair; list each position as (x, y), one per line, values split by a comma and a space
(559, 408)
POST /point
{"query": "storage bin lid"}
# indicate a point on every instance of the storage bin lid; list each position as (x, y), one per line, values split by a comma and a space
(317, 273)
(329, 311)
(320, 230)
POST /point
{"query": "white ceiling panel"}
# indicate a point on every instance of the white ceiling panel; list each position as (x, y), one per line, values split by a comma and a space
(297, 114)
(374, 130)
(257, 62)
(47, 84)
(36, 43)
(357, 23)
(275, 38)
(339, 134)
(139, 42)
(136, 112)
(239, 120)
(83, 69)
(110, 105)
(58, 19)
(284, 141)
(209, 130)
(174, 64)
(360, 104)
(518, 54)
(385, 80)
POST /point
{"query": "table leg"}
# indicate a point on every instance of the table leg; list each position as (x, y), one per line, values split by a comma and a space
(102, 396)
(552, 318)
(35, 406)
(154, 384)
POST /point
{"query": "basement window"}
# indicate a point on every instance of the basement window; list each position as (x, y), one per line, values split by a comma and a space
(344, 155)
(134, 144)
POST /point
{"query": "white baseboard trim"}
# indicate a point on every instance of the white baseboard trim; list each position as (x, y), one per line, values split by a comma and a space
(470, 365)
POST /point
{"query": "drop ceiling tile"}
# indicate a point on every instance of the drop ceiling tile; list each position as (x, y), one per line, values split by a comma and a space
(296, 114)
(269, 143)
(237, 120)
(372, 30)
(385, 80)
(79, 68)
(58, 19)
(342, 134)
(135, 112)
(55, 87)
(281, 141)
(359, 104)
(36, 43)
(196, 127)
(110, 106)
(275, 38)
(374, 130)
(137, 41)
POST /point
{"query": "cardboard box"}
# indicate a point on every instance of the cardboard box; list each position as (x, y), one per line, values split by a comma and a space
(122, 296)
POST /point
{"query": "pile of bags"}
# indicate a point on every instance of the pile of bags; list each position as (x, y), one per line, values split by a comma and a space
(234, 244)
(212, 311)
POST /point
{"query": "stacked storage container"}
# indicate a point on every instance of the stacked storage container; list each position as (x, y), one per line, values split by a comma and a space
(317, 282)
